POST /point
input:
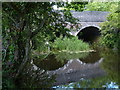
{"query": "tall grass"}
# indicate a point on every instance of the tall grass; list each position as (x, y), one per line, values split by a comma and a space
(70, 44)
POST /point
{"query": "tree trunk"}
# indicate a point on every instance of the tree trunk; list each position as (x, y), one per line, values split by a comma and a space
(26, 57)
(26, 49)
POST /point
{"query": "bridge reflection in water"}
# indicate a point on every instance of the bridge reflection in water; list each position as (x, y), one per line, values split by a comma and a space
(90, 68)
(74, 70)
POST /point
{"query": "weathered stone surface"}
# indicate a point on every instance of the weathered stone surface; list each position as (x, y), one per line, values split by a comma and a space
(88, 19)
(90, 16)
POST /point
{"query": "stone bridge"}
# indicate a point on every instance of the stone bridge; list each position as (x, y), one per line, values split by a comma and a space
(88, 24)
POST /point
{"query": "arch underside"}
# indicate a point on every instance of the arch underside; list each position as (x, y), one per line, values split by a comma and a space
(89, 34)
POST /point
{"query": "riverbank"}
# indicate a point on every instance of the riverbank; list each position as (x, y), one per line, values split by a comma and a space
(77, 51)
(64, 51)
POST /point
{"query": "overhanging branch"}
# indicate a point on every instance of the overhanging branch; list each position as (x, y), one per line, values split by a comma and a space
(37, 30)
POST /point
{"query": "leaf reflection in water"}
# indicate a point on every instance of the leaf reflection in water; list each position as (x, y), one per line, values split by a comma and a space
(34, 77)
(67, 56)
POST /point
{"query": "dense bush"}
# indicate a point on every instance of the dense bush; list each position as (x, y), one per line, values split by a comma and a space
(77, 6)
(70, 44)
(101, 6)
(110, 31)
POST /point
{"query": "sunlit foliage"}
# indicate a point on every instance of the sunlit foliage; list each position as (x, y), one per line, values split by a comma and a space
(70, 44)
(110, 31)
(101, 6)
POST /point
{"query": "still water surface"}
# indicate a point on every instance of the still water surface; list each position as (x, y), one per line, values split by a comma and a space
(82, 70)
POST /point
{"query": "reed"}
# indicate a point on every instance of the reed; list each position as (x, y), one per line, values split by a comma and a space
(70, 44)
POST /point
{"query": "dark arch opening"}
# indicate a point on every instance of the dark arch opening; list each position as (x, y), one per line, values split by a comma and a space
(89, 34)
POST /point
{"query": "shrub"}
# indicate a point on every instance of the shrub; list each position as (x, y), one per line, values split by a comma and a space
(70, 44)
(110, 31)
(101, 6)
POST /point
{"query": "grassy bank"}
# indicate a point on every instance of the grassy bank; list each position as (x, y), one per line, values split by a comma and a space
(70, 44)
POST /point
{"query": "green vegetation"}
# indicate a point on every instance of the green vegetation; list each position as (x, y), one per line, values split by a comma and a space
(77, 6)
(70, 44)
(110, 31)
(111, 65)
(102, 6)
(27, 27)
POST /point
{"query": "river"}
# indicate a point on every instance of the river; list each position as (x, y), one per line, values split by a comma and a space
(98, 69)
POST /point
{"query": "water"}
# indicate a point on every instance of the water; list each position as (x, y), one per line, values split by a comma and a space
(98, 69)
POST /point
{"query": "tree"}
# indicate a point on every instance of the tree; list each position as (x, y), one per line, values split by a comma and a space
(22, 22)
(77, 6)
(101, 6)
(110, 30)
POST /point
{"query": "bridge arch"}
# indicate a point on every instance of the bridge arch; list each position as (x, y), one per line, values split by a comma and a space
(89, 33)
(96, 26)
